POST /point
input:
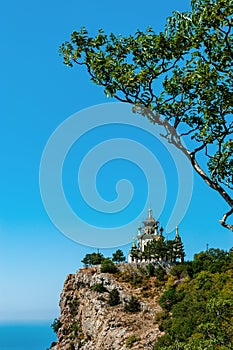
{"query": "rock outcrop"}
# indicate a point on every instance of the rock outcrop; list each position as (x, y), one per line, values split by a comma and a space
(88, 322)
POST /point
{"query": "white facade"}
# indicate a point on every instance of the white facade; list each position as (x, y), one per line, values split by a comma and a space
(146, 233)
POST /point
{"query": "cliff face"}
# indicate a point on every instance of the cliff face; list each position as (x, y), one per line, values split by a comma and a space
(88, 322)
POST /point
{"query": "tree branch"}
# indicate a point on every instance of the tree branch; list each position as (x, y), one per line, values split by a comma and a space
(224, 218)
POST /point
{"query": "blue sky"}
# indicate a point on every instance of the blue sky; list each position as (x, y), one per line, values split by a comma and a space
(38, 93)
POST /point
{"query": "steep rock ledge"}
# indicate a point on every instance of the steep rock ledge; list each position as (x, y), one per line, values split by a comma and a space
(87, 322)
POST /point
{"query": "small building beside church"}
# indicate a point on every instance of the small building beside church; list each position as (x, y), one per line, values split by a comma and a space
(151, 245)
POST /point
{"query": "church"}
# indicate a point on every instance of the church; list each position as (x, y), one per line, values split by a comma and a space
(150, 244)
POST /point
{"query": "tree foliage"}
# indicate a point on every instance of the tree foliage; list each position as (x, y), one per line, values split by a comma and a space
(92, 259)
(108, 266)
(118, 256)
(161, 250)
(132, 305)
(192, 60)
(131, 341)
(114, 297)
(199, 310)
(56, 325)
(99, 287)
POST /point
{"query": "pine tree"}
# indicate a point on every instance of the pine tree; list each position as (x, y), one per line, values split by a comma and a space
(118, 256)
(178, 249)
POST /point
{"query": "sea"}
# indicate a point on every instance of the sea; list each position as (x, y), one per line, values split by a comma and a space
(26, 336)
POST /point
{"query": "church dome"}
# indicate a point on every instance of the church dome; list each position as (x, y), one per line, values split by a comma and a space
(150, 221)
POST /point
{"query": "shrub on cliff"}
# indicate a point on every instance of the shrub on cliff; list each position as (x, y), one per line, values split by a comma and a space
(99, 287)
(92, 259)
(160, 273)
(133, 305)
(131, 341)
(74, 304)
(168, 299)
(56, 325)
(108, 266)
(114, 297)
(150, 269)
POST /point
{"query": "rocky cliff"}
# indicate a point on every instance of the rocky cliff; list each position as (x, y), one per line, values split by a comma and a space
(88, 322)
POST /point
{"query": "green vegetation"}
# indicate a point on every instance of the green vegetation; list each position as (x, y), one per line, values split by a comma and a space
(160, 273)
(101, 298)
(165, 250)
(198, 311)
(133, 305)
(97, 258)
(197, 301)
(74, 304)
(92, 259)
(133, 275)
(99, 287)
(180, 78)
(131, 340)
(75, 328)
(56, 325)
(118, 256)
(108, 266)
(150, 269)
(142, 276)
(75, 334)
(114, 297)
